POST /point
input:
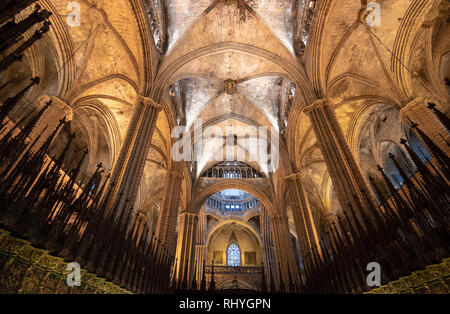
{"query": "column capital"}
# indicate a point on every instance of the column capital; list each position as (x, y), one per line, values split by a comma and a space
(319, 103)
(436, 14)
(49, 121)
(419, 103)
(417, 111)
(57, 104)
(149, 102)
(188, 213)
(294, 176)
(142, 215)
(410, 107)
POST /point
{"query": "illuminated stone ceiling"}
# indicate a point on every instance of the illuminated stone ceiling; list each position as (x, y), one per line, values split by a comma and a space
(101, 66)
(260, 90)
(278, 14)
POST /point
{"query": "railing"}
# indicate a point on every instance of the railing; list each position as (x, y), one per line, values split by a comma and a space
(232, 172)
(230, 206)
(241, 270)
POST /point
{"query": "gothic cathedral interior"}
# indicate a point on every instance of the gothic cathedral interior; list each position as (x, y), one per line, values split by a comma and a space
(224, 146)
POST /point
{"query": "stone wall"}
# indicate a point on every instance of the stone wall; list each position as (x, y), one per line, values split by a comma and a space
(29, 270)
(238, 234)
(434, 279)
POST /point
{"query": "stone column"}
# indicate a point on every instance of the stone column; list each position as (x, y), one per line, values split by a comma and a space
(129, 166)
(284, 250)
(417, 111)
(138, 232)
(50, 119)
(308, 238)
(200, 245)
(348, 180)
(268, 257)
(185, 252)
(267, 249)
(167, 220)
(200, 257)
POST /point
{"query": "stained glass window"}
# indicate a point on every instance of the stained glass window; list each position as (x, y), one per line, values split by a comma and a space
(234, 255)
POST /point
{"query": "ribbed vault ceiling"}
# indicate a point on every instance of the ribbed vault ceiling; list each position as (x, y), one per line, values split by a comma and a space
(260, 91)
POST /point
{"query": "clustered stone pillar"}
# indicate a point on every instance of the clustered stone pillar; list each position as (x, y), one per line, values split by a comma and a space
(200, 245)
(416, 111)
(308, 238)
(200, 258)
(185, 249)
(49, 121)
(140, 230)
(348, 180)
(267, 249)
(167, 220)
(129, 167)
(285, 250)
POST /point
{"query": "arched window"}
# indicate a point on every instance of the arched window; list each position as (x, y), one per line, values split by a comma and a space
(233, 255)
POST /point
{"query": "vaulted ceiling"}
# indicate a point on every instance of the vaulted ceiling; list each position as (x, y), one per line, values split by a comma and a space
(210, 45)
(232, 63)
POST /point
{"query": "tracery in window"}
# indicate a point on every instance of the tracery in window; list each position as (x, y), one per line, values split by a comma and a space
(233, 255)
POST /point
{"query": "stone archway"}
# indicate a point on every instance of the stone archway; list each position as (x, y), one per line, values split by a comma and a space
(236, 284)
(248, 271)
(259, 188)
